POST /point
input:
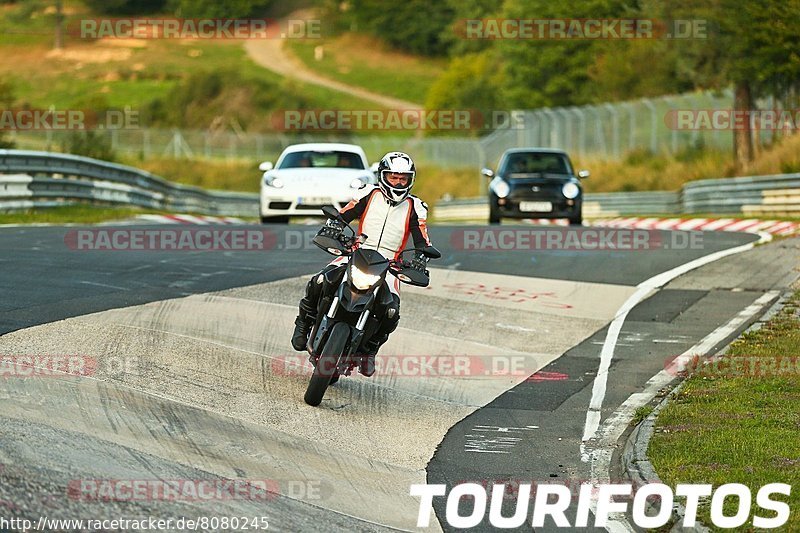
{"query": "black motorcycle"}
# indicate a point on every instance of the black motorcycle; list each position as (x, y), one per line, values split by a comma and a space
(353, 302)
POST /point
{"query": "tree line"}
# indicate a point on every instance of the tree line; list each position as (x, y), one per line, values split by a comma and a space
(752, 46)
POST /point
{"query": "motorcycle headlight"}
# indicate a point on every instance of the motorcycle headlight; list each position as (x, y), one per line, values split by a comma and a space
(570, 190)
(501, 189)
(361, 280)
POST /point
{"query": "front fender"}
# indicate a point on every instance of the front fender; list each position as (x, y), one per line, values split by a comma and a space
(322, 332)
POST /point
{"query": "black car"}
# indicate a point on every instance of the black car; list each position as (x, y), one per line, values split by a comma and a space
(535, 183)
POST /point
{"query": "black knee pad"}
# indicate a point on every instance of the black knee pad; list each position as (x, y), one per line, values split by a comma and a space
(314, 289)
(393, 314)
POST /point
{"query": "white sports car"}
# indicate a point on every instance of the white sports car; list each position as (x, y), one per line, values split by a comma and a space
(309, 176)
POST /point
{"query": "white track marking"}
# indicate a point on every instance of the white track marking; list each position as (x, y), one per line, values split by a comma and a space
(599, 456)
(669, 223)
(103, 285)
(691, 224)
(749, 225)
(512, 327)
(642, 291)
(714, 224)
(191, 219)
(742, 225)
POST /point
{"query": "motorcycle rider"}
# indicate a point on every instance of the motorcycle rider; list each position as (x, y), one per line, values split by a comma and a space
(388, 213)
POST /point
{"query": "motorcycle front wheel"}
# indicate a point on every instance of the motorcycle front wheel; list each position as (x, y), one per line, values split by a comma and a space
(327, 363)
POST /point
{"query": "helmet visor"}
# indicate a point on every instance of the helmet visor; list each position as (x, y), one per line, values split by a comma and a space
(398, 180)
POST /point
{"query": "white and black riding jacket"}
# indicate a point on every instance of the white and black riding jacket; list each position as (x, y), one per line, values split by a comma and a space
(388, 226)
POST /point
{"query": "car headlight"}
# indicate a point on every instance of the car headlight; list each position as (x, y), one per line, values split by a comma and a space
(570, 190)
(361, 280)
(275, 182)
(501, 189)
(356, 184)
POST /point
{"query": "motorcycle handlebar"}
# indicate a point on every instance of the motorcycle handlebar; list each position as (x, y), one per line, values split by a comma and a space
(352, 241)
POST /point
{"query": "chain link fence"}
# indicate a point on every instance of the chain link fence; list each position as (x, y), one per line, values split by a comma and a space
(607, 130)
(147, 143)
(668, 124)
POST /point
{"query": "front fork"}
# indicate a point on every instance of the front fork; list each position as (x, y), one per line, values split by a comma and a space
(320, 335)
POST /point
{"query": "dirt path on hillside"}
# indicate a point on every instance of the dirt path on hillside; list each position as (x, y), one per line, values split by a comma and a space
(270, 54)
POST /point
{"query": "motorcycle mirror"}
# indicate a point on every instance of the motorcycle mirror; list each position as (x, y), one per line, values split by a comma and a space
(330, 212)
(431, 252)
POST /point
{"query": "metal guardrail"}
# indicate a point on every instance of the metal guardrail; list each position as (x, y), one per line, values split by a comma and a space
(39, 179)
(777, 195)
(655, 202)
(44, 179)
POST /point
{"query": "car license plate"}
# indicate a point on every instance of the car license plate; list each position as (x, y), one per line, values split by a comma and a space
(313, 200)
(540, 207)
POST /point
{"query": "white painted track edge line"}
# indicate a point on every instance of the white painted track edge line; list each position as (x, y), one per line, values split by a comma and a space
(643, 290)
(600, 457)
(615, 425)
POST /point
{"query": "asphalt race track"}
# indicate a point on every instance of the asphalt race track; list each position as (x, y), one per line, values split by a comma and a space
(192, 376)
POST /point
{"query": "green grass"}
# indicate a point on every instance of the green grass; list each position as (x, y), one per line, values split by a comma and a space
(208, 174)
(431, 184)
(91, 75)
(157, 70)
(729, 424)
(72, 214)
(642, 171)
(362, 61)
(641, 413)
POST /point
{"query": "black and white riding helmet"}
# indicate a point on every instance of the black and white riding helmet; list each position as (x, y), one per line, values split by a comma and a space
(392, 163)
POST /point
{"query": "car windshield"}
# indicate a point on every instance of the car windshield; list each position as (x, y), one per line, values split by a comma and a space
(536, 163)
(318, 159)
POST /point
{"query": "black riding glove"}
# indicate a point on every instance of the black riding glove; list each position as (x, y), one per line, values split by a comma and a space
(333, 229)
(420, 262)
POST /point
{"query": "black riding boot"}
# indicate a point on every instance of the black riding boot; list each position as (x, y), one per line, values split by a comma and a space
(307, 314)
